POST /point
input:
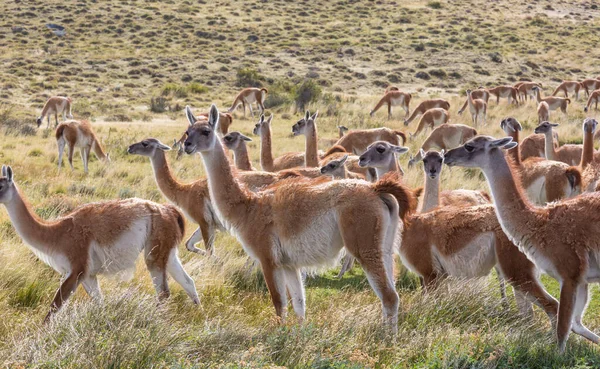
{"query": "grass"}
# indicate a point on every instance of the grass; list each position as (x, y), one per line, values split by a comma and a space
(133, 73)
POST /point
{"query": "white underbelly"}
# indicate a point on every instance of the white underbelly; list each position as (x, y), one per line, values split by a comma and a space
(536, 191)
(476, 259)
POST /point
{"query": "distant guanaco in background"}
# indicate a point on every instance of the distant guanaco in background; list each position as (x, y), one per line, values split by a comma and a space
(250, 96)
(56, 105)
(481, 93)
(594, 97)
(590, 85)
(508, 92)
(569, 86)
(393, 97)
(79, 134)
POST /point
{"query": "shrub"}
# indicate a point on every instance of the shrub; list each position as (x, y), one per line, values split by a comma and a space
(158, 104)
(434, 5)
(248, 77)
(197, 88)
(307, 92)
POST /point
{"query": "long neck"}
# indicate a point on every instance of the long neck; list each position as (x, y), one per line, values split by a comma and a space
(470, 101)
(390, 166)
(266, 153)
(587, 155)
(431, 197)
(225, 191)
(34, 231)
(512, 208)
(98, 150)
(167, 184)
(241, 157)
(549, 146)
(311, 155)
(538, 95)
(514, 152)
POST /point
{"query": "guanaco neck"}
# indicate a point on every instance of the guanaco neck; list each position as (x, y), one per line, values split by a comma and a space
(391, 166)
(167, 184)
(431, 197)
(241, 157)
(311, 154)
(514, 152)
(538, 95)
(470, 102)
(225, 191)
(587, 155)
(266, 153)
(549, 146)
(33, 230)
(98, 149)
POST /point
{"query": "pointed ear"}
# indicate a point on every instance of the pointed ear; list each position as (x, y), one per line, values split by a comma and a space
(510, 145)
(343, 159)
(519, 127)
(501, 142)
(307, 115)
(3, 170)
(422, 152)
(190, 116)
(442, 153)
(261, 119)
(315, 115)
(163, 147)
(399, 149)
(9, 174)
(270, 119)
(213, 116)
(245, 138)
(554, 124)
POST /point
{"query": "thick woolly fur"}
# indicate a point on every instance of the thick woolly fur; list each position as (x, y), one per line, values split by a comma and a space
(325, 220)
(101, 238)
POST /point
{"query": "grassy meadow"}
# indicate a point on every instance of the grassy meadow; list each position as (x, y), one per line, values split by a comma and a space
(131, 67)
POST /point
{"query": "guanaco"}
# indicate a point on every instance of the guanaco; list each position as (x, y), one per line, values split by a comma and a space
(101, 238)
(590, 85)
(481, 93)
(323, 221)
(526, 90)
(225, 121)
(248, 96)
(508, 92)
(56, 105)
(426, 105)
(445, 137)
(357, 141)
(80, 134)
(568, 86)
(553, 102)
(477, 107)
(593, 99)
(432, 118)
(569, 153)
(393, 98)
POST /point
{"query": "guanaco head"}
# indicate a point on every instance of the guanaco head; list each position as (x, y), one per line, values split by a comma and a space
(478, 152)
(335, 168)
(510, 125)
(147, 147)
(301, 126)
(432, 163)
(469, 92)
(201, 135)
(233, 140)
(262, 125)
(380, 154)
(590, 125)
(342, 129)
(38, 121)
(7, 186)
(545, 127)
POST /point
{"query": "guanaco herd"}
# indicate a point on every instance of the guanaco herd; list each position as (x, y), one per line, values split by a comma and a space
(303, 208)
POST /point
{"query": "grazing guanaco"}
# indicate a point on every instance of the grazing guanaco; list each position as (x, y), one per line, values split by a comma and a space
(508, 92)
(250, 96)
(55, 105)
(391, 88)
(543, 112)
(432, 118)
(569, 153)
(357, 141)
(477, 108)
(525, 90)
(79, 134)
(569, 86)
(560, 238)
(323, 221)
(101, 238)
(553, 102)
(236, 142)
(593, 99)
(393, 98)
(426, 105)
(590, 85)
(481, 93)
(543, 180)
(445, 137)
(193, 198)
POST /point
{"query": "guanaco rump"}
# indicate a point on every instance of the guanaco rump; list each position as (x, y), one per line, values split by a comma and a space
(445, 137)
(481, 94)
(101, 238)
(249, 96)
(568, 86)
(432, 118)
(357, 141)
(560, 238)
(508, 92)
(323, 221)
(393, 98)
(55, 105)
(80, 134)
(426, 105)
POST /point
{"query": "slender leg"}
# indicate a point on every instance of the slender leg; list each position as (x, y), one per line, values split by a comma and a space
(347, 264)
(251, 111)
(244, 107)
(191, 242)
(86, 151)
(580, 306)
(208, 235)
(293, 281)
(82, 152)
(66, 289)
(48, 121)
(176, 271)
(275, 279)
(56, 119)
(389, 111)
(71, 149)
(61, 150)
(159, 279)
(565, 312)
(91, 286)
(384, 288)
(406, 111)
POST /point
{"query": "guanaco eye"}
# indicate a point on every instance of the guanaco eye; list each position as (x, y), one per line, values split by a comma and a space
(380, 149)
(205, 132)
(145, 144)
(331, 166)
(469, 148)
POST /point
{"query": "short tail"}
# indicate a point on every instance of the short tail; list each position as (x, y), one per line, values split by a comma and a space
(334, 149)
(418, 192)
(401, 134)
(574, 177)
(263, 94)
(60, 130)
(391, 184)
(69, 100)
(568, 101)
(229, 116)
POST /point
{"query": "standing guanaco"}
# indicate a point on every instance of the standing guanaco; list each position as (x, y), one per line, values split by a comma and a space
(56, 105)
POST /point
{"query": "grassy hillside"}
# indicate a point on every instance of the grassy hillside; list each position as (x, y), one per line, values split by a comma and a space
(118, 56)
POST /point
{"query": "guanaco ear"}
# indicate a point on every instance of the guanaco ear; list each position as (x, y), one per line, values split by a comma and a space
(314, 116)
(190, 116)
(9, 174)
(213, 116)
(3, 170)
(518, 126)
(245, 138)
(163, 147)
(554, 124)
(422, 152)
(399, 149)
(501, 142)
(261, 119)
(307, 115)
(442, 153)
(343, 128)
(343, 159)
(270, 119)
(510, 145)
